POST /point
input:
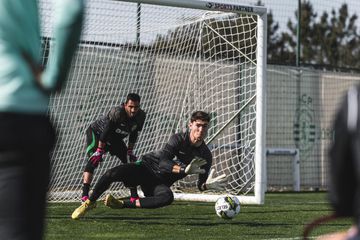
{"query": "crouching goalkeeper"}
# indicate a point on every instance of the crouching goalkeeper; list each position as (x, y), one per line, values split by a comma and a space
(184, 154)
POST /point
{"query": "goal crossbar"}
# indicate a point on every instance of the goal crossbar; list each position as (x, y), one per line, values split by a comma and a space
(205, 5)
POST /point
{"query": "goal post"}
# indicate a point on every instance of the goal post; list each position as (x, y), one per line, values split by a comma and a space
(180, 56)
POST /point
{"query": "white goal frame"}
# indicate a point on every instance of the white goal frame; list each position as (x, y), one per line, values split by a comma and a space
(212, 58)
(260, 151)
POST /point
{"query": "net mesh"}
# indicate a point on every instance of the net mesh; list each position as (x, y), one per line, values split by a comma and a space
(179, 60)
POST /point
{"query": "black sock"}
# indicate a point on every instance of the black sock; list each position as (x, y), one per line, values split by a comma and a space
(129, 204)
(85, 189)
(133, 192)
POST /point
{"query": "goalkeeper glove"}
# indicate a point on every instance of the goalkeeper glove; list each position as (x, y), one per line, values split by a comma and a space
(131, 155)
(216, 183)
(97, 157)
(194, 166)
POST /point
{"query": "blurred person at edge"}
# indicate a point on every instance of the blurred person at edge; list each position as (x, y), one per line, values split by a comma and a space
(27, 135)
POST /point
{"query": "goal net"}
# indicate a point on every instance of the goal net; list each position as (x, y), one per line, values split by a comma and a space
(180, 56)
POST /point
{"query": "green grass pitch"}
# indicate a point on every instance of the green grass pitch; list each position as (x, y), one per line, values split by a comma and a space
(283, 216)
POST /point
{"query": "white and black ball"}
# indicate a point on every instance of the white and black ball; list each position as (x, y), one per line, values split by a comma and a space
(227, 207)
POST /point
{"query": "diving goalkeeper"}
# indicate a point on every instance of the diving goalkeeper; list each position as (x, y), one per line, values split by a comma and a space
(184, 154)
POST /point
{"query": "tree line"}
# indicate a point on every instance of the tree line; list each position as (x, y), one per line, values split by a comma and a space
(328, 40)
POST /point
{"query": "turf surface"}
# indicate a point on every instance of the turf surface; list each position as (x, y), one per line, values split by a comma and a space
(283, 216)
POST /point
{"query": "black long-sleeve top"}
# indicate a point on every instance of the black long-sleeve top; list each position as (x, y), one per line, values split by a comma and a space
(116, 125)
(178, 150)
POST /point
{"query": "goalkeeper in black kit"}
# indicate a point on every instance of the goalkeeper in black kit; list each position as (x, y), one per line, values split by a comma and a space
(184, 154)
(106, 134)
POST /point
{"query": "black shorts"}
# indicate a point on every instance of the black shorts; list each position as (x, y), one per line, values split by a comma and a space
(133, 175)
(118, 149)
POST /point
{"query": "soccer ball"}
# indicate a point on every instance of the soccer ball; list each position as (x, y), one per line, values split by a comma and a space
(227, 207)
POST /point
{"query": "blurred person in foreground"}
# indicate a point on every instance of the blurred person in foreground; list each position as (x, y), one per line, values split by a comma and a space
(184, 154)
(344, 191)
(27, 135)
